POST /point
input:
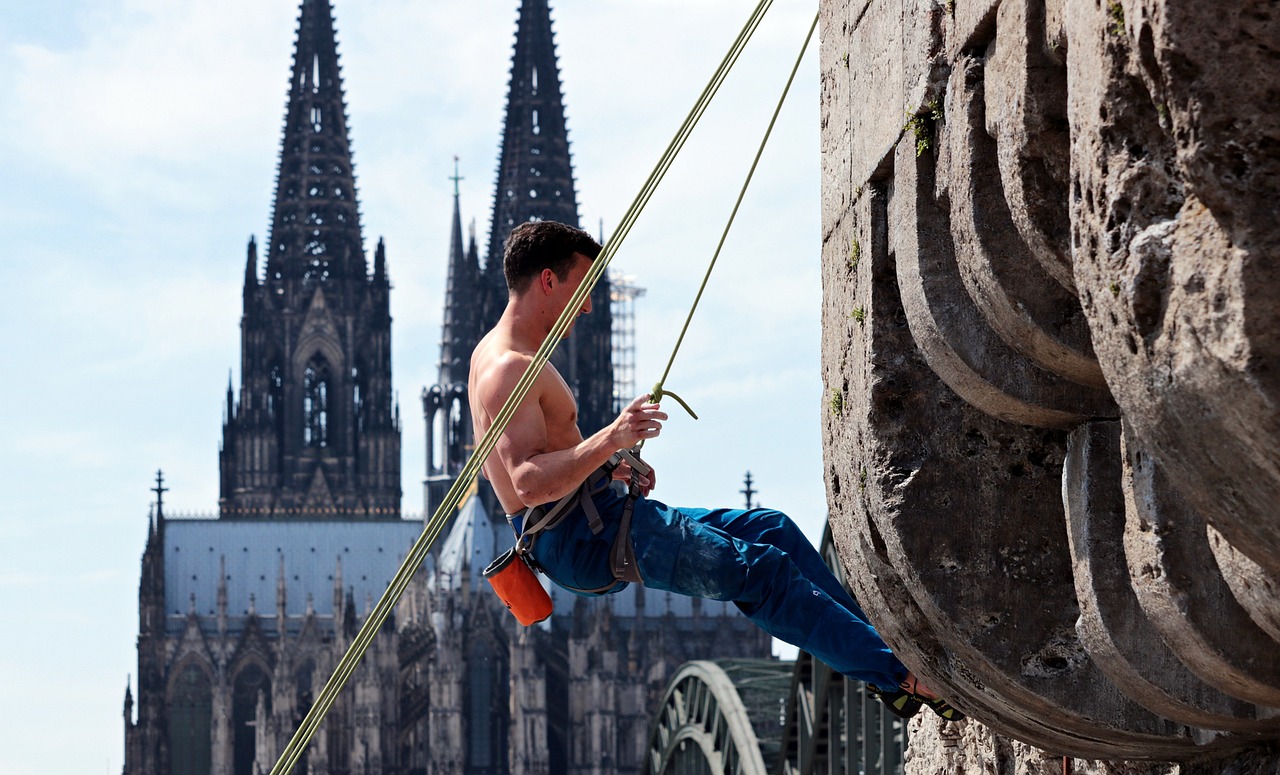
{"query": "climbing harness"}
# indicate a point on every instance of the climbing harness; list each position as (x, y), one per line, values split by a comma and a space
(417, 554)
(512, 574)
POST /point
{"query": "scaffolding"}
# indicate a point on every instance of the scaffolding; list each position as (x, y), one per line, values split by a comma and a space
(623, 293)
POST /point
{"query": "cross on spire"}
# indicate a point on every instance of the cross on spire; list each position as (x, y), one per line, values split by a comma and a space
(748, 491)
(159, 490)
(455, 177)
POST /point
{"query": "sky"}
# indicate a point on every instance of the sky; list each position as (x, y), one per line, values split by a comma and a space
(138, 145)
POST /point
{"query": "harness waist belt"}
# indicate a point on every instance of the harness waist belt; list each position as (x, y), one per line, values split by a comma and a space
(622, 555)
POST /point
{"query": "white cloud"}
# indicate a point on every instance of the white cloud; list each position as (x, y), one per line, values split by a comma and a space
(159, 95)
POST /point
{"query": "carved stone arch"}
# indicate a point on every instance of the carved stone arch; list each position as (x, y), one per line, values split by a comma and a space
(437, 406)
(250, 682)
(309, 639)
(189, 698)
(186, 659)
(432, 397)
(276, 376)
(321, 345)
(485, 682)
(250, 654)
(321, 361)
(458, 431)
(304, 687)
(318, 332)
(193, 645)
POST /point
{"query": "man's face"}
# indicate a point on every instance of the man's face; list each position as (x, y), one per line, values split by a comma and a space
(566, 289)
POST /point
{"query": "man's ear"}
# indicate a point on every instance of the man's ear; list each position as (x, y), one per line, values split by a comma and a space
(547, 280)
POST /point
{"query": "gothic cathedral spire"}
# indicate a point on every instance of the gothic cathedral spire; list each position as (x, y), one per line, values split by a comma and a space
(315, 433)
(315, 226)
(461, 330)
(535, 172)
(535, 182)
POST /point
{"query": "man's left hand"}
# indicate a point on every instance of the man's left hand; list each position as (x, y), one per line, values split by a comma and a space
(646, 483)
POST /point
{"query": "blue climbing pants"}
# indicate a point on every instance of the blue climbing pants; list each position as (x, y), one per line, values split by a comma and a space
(757, 558)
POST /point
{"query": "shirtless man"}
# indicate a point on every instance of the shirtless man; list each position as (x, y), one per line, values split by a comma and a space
(757, 558)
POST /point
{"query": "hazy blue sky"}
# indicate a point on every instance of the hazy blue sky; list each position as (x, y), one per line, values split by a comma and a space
(138, 144)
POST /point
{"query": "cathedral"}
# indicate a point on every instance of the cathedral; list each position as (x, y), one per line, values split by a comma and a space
(243, 617)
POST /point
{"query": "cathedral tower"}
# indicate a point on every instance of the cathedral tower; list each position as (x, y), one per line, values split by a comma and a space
(535, 183)
(448, 414)
(314, 432)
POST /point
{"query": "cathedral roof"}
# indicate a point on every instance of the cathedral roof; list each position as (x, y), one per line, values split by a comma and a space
(473, 541)
(366, 554)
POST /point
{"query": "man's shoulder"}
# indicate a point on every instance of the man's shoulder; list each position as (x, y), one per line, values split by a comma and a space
(497, 367)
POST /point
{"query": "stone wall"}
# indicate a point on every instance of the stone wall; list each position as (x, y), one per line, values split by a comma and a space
(1051, 357)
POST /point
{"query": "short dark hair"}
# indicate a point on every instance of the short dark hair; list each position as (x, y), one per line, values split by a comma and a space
(539, 245)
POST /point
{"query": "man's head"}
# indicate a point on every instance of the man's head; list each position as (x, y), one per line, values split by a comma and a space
(538, 245)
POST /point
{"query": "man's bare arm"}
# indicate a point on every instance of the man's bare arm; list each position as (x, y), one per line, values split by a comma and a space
(538, 473)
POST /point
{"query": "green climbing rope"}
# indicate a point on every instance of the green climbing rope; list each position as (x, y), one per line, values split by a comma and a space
(658, 389)
(418, 552)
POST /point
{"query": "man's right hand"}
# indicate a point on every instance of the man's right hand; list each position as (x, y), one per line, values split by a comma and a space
(639, 421)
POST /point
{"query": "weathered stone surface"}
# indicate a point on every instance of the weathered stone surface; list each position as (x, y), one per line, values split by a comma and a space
(1026, 115)
(997, 594)
(971, 749)
(953, 749)
(1256, 590)
(1113, 627)
(1030, 311)
(1178, 584)
(950, 330)
(836, 115)
(1116, 160)
(1175, 211)
(895, 63)
(969, 25)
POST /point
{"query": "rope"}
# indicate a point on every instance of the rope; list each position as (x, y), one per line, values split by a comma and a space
(418, 553)
(658, 390)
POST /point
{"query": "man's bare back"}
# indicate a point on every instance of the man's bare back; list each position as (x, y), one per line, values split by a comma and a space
(542, 455)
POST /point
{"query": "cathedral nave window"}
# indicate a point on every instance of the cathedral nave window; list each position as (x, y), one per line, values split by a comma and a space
(315, 403)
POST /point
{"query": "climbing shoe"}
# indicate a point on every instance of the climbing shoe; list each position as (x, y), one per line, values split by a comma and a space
(943, 709)
(899, 702)
(906, 701)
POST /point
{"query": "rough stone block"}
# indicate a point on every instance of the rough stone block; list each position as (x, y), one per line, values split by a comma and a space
(1178, 583)
(1118, 161)
(1026, 114)
(970, 23)
(952, 332)
(1255, 589)
(836, 115)
(1175, 207)
(896, 69)
(1113, 626)
(905, 458)
(1033, 314)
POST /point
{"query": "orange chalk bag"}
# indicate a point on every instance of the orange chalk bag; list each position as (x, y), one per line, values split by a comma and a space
(518, 588)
